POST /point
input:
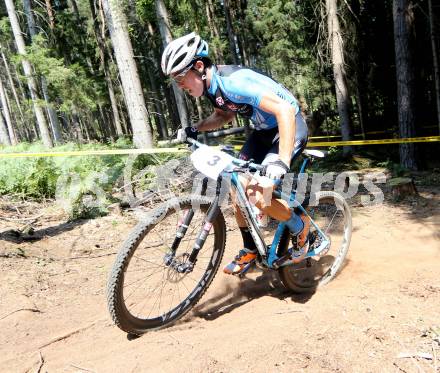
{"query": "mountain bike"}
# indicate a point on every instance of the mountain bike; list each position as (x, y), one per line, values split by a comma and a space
(171, 257)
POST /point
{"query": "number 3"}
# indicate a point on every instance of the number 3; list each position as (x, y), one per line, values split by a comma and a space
(214, 160)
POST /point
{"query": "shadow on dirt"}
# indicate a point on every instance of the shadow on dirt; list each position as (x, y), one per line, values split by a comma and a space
(17, 236)
(422, 208)
(232, 297)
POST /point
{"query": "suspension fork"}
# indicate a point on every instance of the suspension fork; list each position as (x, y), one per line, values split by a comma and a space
(211, 215)
(185, 222)
(181, 231)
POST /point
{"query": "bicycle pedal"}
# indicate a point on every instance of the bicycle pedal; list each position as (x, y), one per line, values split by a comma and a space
(246, 268)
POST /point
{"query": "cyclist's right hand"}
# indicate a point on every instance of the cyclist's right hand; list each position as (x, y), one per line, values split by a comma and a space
(184, 133)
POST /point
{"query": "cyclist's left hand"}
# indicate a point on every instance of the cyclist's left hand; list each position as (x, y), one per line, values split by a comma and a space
(275, 170)
(184, 133)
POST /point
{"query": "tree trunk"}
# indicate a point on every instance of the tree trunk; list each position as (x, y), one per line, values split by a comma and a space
(200, 117)
(104, 64)
(7, 114)
(403, 25)
(76, 11)
(50, 14)
(131, 84)
(435, 60)
(244, 33)
(210, 12)
(231, 34)
(53, 118)
(55, 125)
(17, 130)
(211, 29)
(104, 127)
(81, 33)
(157, 105)
(361, 60)
(41, 120)
(339, 74)
(114, 104)
(158, 87)
(11, 82)
(123, 116)
(174, 117)
(165, 32)
(4, 137)
(402, 187)
(76, 127)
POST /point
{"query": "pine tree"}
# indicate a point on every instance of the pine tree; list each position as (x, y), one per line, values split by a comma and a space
(41, 120)
(134, 96)
(403, 24)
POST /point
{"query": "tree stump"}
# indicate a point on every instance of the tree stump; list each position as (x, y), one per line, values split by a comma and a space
(402, 187)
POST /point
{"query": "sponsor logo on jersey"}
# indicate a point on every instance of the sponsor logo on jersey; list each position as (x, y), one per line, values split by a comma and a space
(232, 106)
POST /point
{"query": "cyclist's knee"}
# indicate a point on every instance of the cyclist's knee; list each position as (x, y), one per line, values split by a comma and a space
(259, 196)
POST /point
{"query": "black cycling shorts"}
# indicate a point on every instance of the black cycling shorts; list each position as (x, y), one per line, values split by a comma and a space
(262, 146)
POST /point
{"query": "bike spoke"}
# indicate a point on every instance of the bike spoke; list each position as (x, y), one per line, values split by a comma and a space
(158, 297)
(154, 288)
(150, 262)
(328, 227)
(142, 278)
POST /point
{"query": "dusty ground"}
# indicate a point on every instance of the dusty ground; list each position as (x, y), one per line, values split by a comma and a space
(385, 304)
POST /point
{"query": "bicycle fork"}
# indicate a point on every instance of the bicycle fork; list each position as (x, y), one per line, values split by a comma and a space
(211, 215)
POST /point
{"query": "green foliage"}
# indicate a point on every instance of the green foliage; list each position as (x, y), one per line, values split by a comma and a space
(395, 169)
(82, 184)
(5, 30)
(33, 178)
(145, 10)
(336, 161)
(70, 84)
(286, 39)
(286, 50)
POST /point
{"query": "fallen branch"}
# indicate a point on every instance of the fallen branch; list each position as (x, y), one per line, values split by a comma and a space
(41, 363)
(402, 370)
(80, 368)
(288, 311)
(67, 335)
(21, 309)
(423, 355)
(91, 257)
(22, 219)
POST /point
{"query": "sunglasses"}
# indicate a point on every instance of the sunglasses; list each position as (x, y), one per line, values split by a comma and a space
(181, 75)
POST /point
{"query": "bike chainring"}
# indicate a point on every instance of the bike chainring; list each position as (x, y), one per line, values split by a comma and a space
(315, 241)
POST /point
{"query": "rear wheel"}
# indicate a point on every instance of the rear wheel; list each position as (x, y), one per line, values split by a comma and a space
(332, 215)
(146, 290)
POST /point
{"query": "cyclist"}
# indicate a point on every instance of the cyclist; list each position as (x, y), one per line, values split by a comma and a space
(280, 133)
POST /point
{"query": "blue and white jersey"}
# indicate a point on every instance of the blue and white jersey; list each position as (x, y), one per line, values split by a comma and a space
(240, 89)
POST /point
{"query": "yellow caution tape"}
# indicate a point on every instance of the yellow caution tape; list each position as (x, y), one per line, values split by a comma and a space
(360, 134)
(375, 142)
(94, 152)
(183, 150)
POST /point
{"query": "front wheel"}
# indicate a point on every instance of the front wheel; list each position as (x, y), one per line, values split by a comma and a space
(147, 288)
(332, 215)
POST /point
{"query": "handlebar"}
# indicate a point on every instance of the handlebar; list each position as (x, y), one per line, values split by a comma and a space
(242, 165)
(237, 162)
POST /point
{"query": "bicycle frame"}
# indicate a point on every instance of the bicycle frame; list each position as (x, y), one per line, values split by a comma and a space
(268, 253)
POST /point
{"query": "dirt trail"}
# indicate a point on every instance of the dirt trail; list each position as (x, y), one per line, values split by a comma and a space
(385, 302)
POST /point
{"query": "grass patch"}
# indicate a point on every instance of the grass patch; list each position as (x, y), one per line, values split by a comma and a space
(83, 183)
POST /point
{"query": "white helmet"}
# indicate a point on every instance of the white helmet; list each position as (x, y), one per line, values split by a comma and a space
(181, 52)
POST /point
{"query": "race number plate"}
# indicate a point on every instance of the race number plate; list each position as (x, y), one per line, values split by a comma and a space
(210, 162)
